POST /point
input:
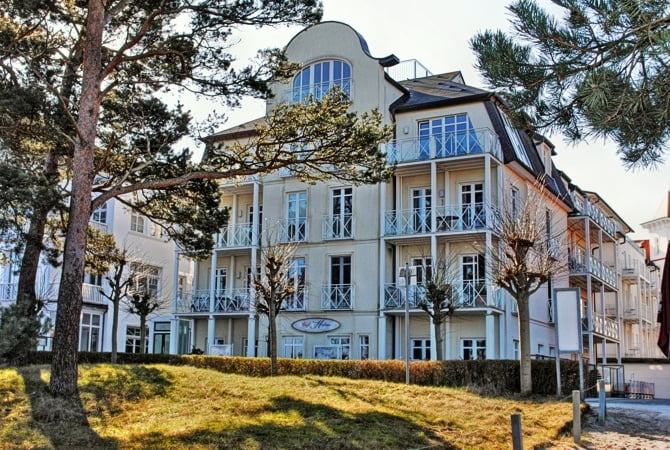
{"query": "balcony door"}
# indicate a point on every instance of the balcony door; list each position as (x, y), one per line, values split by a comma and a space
(472, 205)
(340, 282)
(250, 220)
(473, 273)
(296, 215)
(421, 206)
(341, 201)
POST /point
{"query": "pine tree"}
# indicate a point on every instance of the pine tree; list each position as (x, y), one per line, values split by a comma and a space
(601, 69)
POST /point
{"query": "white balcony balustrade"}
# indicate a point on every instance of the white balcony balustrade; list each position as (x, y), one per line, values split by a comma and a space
(470, 294)
(100, 226)
(337, 297)
(90, 293)
(237, 235)
(296, 302)
(339, 226)
(293, 230)
(225, 301)
(453, 144)
(586, 208)
(8, 292)
(449, 218)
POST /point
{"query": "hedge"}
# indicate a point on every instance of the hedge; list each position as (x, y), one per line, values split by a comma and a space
(488, 377)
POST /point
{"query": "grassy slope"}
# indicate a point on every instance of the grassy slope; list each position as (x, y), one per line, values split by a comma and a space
(137, 406)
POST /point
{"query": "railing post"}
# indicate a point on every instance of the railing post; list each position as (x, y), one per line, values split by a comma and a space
(576, 417)
(517, 435)
(602, 405)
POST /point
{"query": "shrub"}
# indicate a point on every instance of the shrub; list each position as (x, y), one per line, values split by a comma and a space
(485, 377)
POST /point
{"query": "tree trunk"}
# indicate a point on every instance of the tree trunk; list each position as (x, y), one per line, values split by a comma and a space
(115, 327)
(272, 337)
(524, 345)
(439, 340)
(64, 363)
(143, 333)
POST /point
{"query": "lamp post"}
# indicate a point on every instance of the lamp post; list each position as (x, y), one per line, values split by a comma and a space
(407, 341)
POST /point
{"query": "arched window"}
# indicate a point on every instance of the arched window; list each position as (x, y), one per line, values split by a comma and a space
(318, 78)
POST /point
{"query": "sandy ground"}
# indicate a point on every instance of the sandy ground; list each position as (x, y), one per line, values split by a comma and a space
(628, 426)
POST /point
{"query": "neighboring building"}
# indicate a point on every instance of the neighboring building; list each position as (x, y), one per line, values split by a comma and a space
(659, 231)
(149, 250)
(457, 157)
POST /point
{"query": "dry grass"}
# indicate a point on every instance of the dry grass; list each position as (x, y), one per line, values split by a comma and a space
(160, 406)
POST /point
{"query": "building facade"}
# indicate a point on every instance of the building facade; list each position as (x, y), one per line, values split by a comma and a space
(152, 261)
(458, 159)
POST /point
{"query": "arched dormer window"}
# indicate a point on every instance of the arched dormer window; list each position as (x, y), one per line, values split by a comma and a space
(316, 79)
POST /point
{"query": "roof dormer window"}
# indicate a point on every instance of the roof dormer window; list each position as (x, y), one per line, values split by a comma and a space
(517, 143)
(318, 78)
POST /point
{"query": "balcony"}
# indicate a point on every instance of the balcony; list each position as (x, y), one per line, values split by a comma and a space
(337, 297)
(337, 227)
(449, 218)
(8, 292)
(293, 230)
(100, 226)
(225, 301)
(577, 265)
(318, 90)
(296, 302)
(469, 295)
(238, 235)
(584, 207)
(604, 327)
(90, 293)
(447, 145)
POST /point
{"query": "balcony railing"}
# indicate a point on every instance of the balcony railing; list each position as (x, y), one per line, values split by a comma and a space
(91, 294)
(8, 292)
(577, 265)
(225, 301)
(100, 226)
(337, 297)
(448, 218)
(318, 90)
(458, 143)
(338, 227)
(293, 230)
(594, 212)
(469, 295)
(238, 235)
(296, 302)
(605, 327)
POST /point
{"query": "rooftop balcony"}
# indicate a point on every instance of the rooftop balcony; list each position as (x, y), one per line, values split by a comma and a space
(469, 295)
(447, 145)
(584, 207)
(449, 218)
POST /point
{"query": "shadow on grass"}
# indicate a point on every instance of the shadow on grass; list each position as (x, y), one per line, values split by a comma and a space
(63, 422)
(294, 423)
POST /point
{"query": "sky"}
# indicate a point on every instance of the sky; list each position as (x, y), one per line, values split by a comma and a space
(437, 34)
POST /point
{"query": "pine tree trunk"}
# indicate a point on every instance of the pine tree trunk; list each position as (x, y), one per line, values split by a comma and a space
(524, 345)
(64, 363)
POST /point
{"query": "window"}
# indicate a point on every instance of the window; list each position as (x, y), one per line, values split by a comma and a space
(181, 286)
(364, 346)
(340, 270)
(451, 135)
(220, 278)
(318, 78)
(137, 223)
(297, 279)
(146, 278)
(133, 339)
(161, 337)
(421, 206)
(296, 216)
(338, 294)
(473, 349)
(472, 205)
(420, 349)
(342, 345)
(424, 269)
(552, 350)
(100, 214)
(155, 230)
(341, 202)
(473, 271)
(89, 332)
(540, 349)
(517, 143)
(515, 202)
(250, 279)
(93, 279)
(292, 346)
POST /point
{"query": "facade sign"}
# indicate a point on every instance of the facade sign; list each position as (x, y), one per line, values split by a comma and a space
(316, 325)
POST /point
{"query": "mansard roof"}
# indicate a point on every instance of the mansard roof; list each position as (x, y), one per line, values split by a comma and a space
(435, 91)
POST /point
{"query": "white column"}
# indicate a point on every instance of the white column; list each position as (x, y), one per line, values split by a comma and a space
(491, 352)
(211, 322)
(174, 335)
(381, 321)
(381, 337)
(175, 288)
(251, 322)
(435, 261)
(433, 344)
(433, 197)
(502, 331)
(447, 338)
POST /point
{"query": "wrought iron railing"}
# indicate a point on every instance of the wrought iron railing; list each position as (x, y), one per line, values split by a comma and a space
(225, 301)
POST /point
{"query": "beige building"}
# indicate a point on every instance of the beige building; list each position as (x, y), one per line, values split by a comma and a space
(458, 159)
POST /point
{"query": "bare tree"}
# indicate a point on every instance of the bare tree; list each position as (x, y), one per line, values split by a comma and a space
(274, 286)
(143, 300)
(441, 297)
(527, 257)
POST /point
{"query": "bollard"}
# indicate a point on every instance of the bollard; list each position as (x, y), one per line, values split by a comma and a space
(517, 436)
(602, 405)
(576, 417)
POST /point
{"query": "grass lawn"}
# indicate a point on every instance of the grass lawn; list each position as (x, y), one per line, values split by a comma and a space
(161, 406)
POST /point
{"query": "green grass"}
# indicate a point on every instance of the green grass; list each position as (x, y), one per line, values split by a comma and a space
(161, 406)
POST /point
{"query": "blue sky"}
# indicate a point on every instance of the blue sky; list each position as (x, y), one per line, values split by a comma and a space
(436, 32)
